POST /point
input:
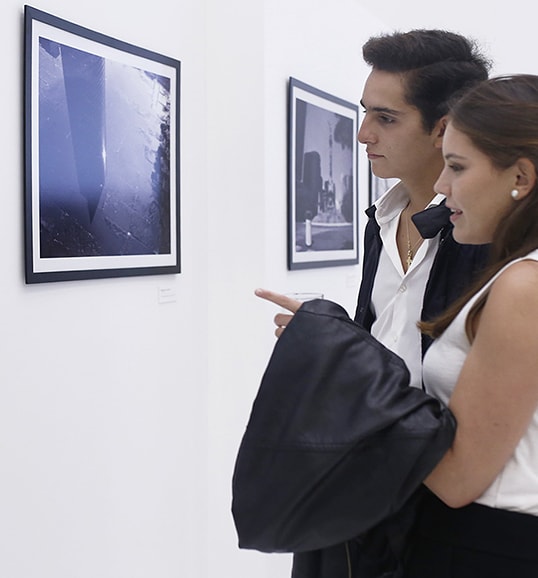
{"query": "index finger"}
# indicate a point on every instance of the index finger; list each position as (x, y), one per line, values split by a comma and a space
(278, 299)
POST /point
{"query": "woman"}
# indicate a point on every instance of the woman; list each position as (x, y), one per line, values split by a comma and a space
(481, 518)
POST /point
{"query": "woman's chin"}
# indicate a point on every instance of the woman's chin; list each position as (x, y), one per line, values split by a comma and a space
(469, 238)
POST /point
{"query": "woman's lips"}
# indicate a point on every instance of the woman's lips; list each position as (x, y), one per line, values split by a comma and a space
(455, 214)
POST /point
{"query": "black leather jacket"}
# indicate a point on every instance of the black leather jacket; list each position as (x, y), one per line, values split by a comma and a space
(337, 442)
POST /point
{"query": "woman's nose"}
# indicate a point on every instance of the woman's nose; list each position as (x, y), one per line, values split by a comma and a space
(441, 185)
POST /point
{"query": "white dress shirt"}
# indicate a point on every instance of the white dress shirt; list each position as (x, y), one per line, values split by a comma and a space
(397, 295)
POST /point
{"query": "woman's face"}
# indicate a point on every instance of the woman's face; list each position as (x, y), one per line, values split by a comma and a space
(478, 193)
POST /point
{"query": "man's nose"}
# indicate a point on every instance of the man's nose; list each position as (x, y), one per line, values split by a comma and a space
(365, 135)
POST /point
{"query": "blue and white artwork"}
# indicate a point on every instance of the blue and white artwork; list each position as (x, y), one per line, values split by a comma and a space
(104, 156)
(101, 154)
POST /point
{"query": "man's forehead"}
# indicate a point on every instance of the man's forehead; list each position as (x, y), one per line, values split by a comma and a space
(385, 91)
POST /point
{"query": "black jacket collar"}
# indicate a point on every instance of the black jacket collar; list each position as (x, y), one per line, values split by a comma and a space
(428, 222)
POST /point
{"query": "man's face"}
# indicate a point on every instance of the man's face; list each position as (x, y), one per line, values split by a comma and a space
(396, 142)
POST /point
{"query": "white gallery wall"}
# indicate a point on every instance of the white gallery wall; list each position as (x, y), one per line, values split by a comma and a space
(120, 416)
(103, 390)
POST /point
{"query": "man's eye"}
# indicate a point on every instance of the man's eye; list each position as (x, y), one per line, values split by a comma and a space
(386, 119)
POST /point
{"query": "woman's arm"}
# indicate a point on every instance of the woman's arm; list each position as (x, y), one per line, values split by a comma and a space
(497, 391)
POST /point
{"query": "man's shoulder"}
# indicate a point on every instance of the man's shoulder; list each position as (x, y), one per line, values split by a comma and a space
(456, 265)
(450, 245)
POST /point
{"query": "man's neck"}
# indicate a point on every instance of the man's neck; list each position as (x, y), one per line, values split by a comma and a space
(419, 202)
(420, 188)
(420, 195)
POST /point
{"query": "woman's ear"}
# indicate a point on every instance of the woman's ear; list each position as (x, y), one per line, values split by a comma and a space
(526, 177)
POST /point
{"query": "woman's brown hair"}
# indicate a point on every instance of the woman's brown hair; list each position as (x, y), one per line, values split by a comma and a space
(500, 117)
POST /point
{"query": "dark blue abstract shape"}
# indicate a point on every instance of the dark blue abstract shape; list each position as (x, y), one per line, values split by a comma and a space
(84, 79)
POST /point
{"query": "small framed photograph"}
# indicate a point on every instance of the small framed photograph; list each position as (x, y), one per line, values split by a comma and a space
(102, 168)
(377, 187)
(322, 179)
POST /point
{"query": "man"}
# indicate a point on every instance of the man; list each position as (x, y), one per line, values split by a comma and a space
(408, 272)
(412, 267)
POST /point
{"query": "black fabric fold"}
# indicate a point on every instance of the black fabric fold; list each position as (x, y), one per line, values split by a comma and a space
(431, 220)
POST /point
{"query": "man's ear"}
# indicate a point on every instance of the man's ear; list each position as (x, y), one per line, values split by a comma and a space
(525, 177)
(439, 131)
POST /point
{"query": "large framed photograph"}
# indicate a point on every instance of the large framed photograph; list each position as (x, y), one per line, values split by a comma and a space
(378, 186)
(102, 168)
(322, 179)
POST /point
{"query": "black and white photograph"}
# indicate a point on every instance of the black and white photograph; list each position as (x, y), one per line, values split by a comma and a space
(322, 179)
(101, 155)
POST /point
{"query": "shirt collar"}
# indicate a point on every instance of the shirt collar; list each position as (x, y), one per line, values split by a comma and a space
(391, 204)
(429, 221)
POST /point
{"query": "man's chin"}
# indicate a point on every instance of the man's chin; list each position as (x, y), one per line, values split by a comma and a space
(378, 171)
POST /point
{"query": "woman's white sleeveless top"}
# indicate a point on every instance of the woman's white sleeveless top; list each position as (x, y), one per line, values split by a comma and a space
(516, 487)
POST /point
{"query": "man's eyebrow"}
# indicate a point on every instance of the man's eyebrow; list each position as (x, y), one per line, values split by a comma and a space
(380, 109)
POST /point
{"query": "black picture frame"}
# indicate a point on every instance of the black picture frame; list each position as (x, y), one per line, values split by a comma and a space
(378, 186)
(102, 154)
(322, 178)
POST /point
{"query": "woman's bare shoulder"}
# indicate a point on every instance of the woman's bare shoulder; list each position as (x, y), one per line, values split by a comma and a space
(518, 280)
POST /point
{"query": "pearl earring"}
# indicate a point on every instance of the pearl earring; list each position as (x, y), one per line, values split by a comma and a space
(514, 194)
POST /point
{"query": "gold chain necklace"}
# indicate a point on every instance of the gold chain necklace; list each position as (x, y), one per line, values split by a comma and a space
(410, 249)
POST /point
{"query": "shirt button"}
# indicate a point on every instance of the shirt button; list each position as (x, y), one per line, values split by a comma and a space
(403, 288)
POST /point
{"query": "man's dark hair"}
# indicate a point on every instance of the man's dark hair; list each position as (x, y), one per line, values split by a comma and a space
(437, 65)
